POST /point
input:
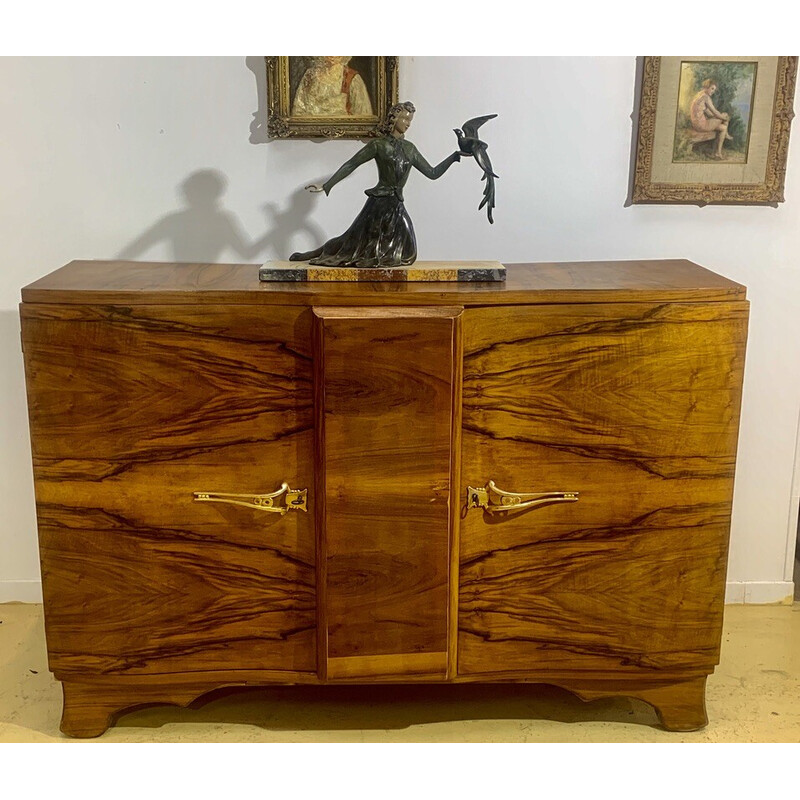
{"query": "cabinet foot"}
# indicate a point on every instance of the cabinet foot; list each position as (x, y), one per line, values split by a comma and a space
(90, 708)
(680, 706)
(87, 712)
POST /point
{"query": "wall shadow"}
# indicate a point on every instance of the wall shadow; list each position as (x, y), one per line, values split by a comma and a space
(292, 221)
(204, 230)
(19, 556)
(637, 105)
(258, 126)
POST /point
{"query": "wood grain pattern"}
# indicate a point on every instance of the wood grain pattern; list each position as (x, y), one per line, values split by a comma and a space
(148, 382)
(385, 421)
(133, 410)
(636, 407)
(429, 664)
(103, 282)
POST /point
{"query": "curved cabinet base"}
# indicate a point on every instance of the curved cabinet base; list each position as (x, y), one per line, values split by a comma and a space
(680, 706)
(91, 708)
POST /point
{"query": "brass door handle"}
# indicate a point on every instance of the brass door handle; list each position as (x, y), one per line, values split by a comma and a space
(293, 499)
(491, 499)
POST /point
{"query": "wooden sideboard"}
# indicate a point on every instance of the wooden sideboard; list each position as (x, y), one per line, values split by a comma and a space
(243, 483)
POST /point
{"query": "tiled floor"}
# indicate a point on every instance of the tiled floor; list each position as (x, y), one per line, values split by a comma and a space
(754, 696)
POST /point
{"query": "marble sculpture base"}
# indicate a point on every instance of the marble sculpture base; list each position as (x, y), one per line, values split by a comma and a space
(465, 271)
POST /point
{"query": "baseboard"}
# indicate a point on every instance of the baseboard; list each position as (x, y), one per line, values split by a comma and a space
(20, 591)
(759, 592)
(736, 592)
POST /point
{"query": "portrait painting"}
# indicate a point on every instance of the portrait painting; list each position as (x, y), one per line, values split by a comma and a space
(713, 129)
(329, 96)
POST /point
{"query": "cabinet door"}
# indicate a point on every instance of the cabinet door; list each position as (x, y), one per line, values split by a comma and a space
(386, 403)
(133, 411)
(635, 407)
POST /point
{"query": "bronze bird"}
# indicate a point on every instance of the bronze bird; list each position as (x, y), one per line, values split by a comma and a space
(469, 144)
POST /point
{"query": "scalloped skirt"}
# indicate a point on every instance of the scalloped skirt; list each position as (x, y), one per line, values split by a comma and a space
(381, 236)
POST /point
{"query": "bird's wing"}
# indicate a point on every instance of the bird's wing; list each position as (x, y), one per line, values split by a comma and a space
(470, 127)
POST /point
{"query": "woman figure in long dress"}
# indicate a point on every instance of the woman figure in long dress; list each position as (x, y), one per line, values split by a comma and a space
(382, 234)
(705, 118)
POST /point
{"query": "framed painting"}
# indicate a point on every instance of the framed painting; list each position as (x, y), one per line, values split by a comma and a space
(713, 129)
(329, 97)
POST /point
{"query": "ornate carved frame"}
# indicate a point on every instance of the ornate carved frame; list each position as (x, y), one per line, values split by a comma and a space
(768, 191)
(281, 125)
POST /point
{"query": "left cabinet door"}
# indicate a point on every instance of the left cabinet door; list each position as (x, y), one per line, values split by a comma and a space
(133, 410)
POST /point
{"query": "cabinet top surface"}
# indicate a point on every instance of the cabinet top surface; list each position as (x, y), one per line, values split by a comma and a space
(140, 283)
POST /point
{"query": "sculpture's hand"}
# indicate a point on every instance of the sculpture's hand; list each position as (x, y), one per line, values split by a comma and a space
(314, 187)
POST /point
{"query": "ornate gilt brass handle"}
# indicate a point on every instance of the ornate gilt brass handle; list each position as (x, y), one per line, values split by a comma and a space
(492, 500)
(293, 499)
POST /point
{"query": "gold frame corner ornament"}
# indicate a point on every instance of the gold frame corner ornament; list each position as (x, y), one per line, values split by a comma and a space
(282, 125)
(768, 191)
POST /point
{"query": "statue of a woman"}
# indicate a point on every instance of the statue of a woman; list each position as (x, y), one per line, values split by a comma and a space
(382, 234)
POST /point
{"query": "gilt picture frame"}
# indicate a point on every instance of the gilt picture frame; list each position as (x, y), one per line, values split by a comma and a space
(329, 97)
(713, 129)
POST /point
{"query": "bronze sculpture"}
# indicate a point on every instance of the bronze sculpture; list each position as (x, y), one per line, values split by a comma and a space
(382, 234)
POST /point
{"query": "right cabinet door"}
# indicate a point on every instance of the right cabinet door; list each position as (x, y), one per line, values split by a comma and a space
(636, 408)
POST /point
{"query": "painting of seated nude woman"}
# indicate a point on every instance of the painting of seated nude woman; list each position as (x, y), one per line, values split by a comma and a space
(714, 116)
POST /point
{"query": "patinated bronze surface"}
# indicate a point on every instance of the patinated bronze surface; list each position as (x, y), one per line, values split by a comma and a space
(382, 235)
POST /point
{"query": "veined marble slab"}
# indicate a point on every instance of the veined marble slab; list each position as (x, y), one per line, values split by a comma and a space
(466, 271)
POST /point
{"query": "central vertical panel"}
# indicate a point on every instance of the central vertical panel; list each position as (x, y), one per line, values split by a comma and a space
(385, 404)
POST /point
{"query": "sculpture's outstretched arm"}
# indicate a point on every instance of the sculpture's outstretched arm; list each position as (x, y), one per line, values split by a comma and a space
(434, 172)
(366, 153)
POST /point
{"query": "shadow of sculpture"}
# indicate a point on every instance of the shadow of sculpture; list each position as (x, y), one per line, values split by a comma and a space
(201, 231)
(292, 224)
(204, 230)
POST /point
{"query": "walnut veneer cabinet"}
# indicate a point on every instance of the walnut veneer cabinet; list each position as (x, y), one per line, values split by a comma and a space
(245, 484)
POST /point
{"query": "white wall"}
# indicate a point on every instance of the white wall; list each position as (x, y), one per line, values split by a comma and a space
(94, 152)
